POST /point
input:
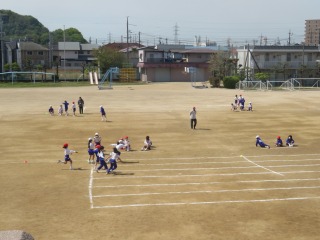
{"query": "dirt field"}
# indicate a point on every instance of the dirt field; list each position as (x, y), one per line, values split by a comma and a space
(208, 183)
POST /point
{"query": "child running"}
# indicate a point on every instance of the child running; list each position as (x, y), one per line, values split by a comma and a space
(95, 152)
(101, 159)
(261, 143)
(113, 158)
(67, 153)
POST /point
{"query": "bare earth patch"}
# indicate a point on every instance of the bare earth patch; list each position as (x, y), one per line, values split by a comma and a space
(208, 183)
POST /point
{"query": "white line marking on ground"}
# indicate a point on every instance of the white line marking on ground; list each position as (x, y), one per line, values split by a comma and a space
(244, 157)
(200, 163)
(190, 175)
(213, 202)
(90, 187)
(205, 183)
(187, 169)
(221, 168)
(299, 165)
(193, 158)
(208, 175)
(287, 155)
(205, 191)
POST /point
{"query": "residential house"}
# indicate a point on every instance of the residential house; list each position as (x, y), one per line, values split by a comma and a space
(73, 55)
(28, 55)
(130, 51)
(167, 63)
(281, 62)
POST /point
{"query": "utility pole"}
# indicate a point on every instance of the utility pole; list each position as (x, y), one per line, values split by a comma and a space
(139, 39)
(2, 48)
(127, 39)
(64, 52)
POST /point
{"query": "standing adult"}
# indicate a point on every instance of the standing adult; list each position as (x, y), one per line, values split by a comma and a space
(80, 104)
(193, 118)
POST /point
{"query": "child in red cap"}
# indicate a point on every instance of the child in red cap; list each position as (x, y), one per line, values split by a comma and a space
(67, 153)
(279, 142)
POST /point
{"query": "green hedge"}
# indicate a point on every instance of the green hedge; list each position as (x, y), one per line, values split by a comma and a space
(230, 82)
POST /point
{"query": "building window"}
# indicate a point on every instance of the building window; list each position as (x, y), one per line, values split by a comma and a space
(29, 53)
(288, 57)
(88, 52)
(309, 57)
(267, 57)
(40, 53)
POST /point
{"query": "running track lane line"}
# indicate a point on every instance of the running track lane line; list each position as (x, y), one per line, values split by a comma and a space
(244, 157)
(213, 202)
(90, 188)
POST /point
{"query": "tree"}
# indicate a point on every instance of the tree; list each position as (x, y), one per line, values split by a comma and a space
(262, 76)
(28, 28)
(218, 64)
(13, 67)
(108, 58)
(70, 35)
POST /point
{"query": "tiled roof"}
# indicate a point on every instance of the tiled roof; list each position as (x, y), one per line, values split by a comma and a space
(31, 46)
(121, 46)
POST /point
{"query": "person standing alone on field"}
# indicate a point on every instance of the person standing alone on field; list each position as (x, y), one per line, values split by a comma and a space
(80, 104)
(193, 118)
(103, 114)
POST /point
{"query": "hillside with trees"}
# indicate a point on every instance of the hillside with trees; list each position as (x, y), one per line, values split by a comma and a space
(28, 28)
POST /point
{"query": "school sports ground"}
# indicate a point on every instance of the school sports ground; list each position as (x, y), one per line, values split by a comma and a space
(208, 183)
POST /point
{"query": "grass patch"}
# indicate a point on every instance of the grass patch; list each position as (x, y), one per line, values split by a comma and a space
(60, 84)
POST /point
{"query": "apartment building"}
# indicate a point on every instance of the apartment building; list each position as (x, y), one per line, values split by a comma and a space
(281, 62)
(312, 32)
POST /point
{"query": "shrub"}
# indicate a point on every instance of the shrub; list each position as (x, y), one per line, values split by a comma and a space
(230, 82)
(214, 81)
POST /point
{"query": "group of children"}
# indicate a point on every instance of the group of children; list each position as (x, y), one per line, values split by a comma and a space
(279, 142)
(97, 156)
(95, 149)
(63, 109)
(239, 103)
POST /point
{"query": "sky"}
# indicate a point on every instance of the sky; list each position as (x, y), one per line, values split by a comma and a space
(171, 21)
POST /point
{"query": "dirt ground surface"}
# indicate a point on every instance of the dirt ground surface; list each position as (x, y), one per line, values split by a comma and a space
(208, 183)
